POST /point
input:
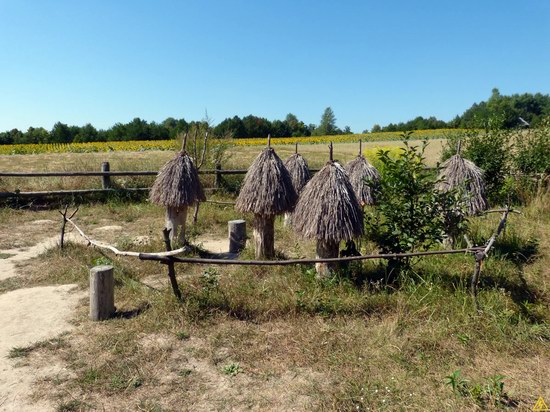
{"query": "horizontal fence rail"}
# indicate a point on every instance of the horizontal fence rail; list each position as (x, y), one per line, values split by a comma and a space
(122, 173)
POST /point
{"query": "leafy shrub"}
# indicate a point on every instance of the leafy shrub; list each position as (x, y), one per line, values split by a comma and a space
(411, 213)
(532, 150)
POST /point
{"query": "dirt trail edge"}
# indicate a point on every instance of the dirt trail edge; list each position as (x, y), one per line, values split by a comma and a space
(28, 316)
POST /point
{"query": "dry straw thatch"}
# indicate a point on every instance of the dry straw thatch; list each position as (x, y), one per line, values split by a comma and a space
(364, 178)
(298, 169)
(177, 183)
(267, 187)
(327, 209)
(463, 173)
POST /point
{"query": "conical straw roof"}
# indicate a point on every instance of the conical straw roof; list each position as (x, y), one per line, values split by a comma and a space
(364, 179)
(177, 183)
(267, 187)
(459, 172)
(298, 169)
(327, 209)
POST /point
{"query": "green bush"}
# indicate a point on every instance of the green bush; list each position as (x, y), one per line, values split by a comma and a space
(411, 213)
(532, 150)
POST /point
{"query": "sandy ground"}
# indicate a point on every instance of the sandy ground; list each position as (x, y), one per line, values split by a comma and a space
(213, 244)
(8, 265)
(31, 315)
(28, 316)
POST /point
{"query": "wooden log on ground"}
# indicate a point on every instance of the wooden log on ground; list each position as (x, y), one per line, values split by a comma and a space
(237, 235)
(102, 293)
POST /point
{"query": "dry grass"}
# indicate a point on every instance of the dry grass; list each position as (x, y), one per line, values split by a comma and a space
(349, 343)
(239, 157)
(317, 154)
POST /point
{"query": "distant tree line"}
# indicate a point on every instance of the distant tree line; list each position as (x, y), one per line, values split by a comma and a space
(532, 108)
(139, 129)
(515, 110)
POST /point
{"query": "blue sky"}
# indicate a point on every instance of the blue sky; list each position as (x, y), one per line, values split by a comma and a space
(107, 61)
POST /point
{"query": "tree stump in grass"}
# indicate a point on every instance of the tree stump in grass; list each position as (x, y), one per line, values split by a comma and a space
(102, 295)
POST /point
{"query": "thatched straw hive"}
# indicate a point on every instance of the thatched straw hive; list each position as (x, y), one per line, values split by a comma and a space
(463, 173)
(364, 178)
(328, 211)
(299, 173)
(176, 187)
(267, 191)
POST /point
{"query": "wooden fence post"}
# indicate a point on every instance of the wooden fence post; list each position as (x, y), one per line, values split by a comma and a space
(102, 292)
(237, 235)
(218, 178)
(105, 180)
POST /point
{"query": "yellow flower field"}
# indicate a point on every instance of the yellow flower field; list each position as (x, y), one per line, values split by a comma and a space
(142, 145)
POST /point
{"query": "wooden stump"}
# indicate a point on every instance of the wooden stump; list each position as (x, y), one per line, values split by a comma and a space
(102, 292)
(175, 222)
(237, 235)
(264, 236)
(326, 249)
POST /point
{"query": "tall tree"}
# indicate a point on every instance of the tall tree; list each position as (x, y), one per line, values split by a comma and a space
(61, 133)
(327, 126)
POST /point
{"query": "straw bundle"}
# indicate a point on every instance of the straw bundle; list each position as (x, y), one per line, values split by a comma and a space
(266, 191)
(299, 173)
(328, 211)
(463, 173)
(364, 179)
(176, 187)
(177, 183)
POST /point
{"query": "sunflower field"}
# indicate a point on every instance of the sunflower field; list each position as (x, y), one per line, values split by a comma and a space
(143, 145)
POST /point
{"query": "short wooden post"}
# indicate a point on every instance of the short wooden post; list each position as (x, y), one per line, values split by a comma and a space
(102, 292)
(237, 235)
(105, 179)
(218, 177)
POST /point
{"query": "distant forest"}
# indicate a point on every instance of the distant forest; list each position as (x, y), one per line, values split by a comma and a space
(517, 110)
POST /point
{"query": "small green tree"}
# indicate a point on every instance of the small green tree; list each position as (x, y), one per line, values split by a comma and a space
(328, 124)
(411, 214)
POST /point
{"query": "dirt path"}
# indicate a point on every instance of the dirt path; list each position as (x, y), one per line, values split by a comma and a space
(28, 316)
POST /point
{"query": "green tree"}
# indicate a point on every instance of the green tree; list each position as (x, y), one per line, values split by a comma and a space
(411, 213)
(233, 127)
(87, 133)
(327, 126)
(36, 135)
(256, 126)
(61, 133)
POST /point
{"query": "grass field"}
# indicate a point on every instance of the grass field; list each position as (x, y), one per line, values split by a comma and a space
(237, 157)
(249, 338)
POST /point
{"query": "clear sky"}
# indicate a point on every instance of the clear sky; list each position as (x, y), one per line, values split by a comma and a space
(107, 61)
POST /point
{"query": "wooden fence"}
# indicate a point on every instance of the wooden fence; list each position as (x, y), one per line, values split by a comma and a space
(169, 258)
(106, 186)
